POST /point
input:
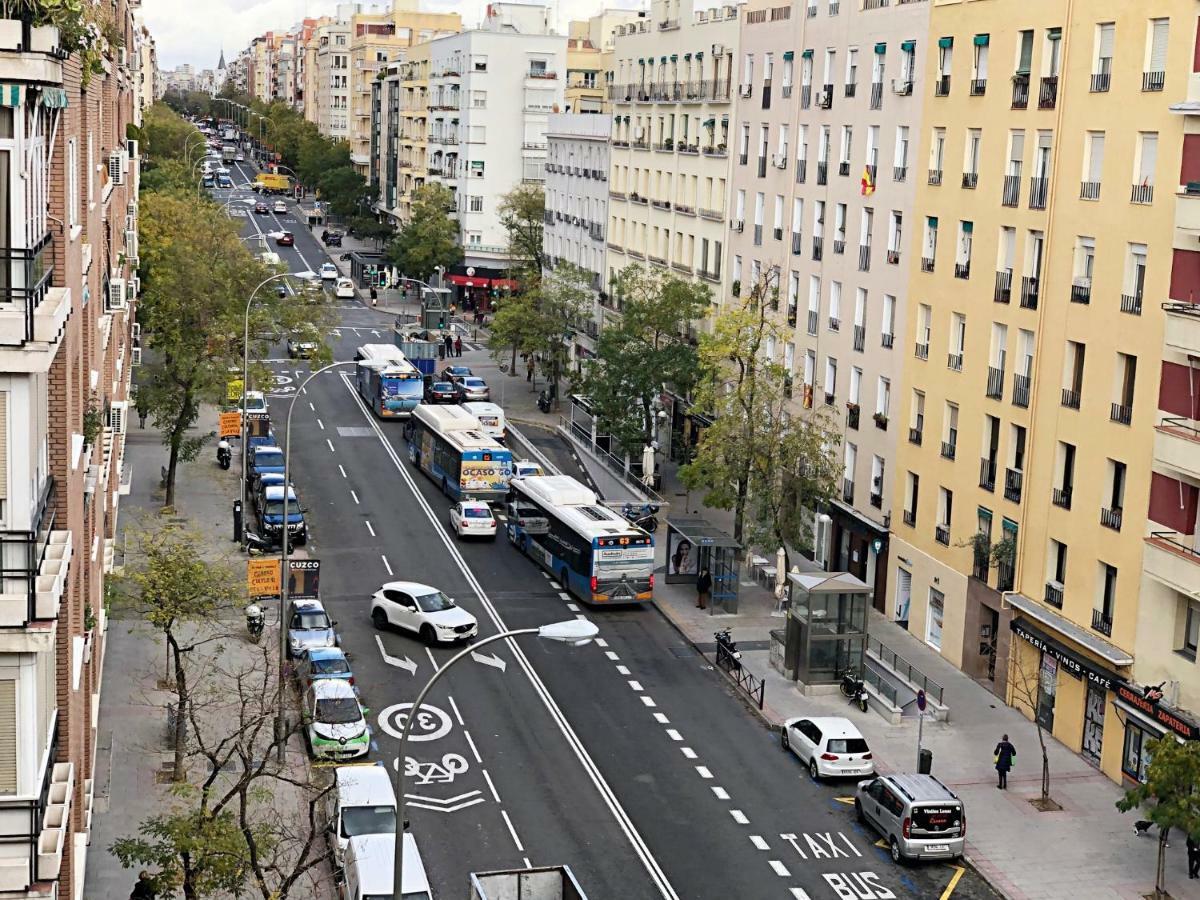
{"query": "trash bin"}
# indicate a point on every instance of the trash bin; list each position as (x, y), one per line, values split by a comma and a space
(237, 520)
(925, 762)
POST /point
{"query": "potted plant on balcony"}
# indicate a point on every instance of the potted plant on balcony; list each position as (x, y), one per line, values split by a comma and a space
(736, 289)
(881, 419)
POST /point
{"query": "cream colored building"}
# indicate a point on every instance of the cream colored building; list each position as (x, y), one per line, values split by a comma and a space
(1032, 355)
(333, 79)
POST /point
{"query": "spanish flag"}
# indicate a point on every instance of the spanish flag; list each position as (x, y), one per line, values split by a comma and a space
(868, 183)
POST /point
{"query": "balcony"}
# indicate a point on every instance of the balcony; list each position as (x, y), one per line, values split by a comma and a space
(1177, 445)
(881, 421)
(31, 311)
(887, 340)
(1102, 622)
(812, 321)
(1010, 194)
(970, 180)
(1048, 93)
(44, 555)
(954, 362)
(1012, 484)
(817, 248)
(844, 168)
(893, 257)
(1141, 194)
(899, 173)
(1171, 558)
(941, 87)
(1182, 327)
(926, 263)
(1020, 91)
(1131, 304)
(941, 534)
(715, 150)
(852, 416)
(797, 243)
(915, 435)
(1061, 497)
(987, 474)
(962, 269)
(935, 177)
(949, 448)
(1020, 391)
(1100, 82)
(910, 517)
(1121, 413)
(1054, 594)
(791, 316)
(835, 324)
(1038, 190)
(1081, 290)
(864, 257)
(839, 246)
(1111, 517)
(1153, 81)
(1003, 289)
(1089, 190)
(1070, 398)
(876, 95)
(921, 351)
(822, 173)
(847, 490)
(978, 87)
(801, 170)
(995, 383)
(860, 337)
(1029, 292)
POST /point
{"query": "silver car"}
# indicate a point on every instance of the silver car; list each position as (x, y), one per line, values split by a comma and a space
(917, 815)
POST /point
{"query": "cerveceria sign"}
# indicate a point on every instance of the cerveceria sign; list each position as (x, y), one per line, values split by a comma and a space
(1163, 715)
(1075, 665)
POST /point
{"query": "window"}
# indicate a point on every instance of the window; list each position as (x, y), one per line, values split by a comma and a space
(830, 380)
(934, 619)
(1093, 165)
(835, 305)
(8, 736)
(1154, 75)
(1147, 159)
(1106, 599)
(912, 494)
(479, 99)
(1025, 54)
(950, 431)
(1106, 36)
(981, 64)
(883, 397)
(971, 157)
(1191, 627)
(851, 70)
(475, 204)
(1136, 757)
(72, 182)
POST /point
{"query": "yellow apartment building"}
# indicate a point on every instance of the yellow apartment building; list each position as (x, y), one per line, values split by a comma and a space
(1033, 351)
(585, 75)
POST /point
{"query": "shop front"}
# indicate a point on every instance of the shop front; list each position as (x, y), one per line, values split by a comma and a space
(477, 288)
(860, 547)
(1147, 717)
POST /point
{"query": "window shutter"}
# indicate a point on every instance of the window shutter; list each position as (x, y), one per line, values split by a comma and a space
(1149, 159)
(8, 736)
(1158, 45)
(981, 61)
(1026, 58)
(3, 446)
(1095, 157)
(1108, 36)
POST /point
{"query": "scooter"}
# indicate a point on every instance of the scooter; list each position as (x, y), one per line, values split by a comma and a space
(543, 401)
(854, 688)
(728, 655)
(224, 454)
(254, 622)
(255, 545)
(644, 517)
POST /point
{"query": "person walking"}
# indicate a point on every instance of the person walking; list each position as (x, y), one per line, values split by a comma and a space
(703, 588)
(143, 409)
(448, 343)
(144, 889)
(1004, 754)
(458, 345)
(529, 366)
(1193, 851)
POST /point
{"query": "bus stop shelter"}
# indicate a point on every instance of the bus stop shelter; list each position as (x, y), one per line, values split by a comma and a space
(694, 543)
(826, 632)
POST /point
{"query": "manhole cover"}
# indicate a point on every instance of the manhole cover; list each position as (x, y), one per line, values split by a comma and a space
(353, 432)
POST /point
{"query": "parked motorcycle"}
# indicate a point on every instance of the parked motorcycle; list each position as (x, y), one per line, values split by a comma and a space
(224, 454)
(728, 655)
(255, 620)
(854, 688)
(255, 545)
(644, 516)
(543, 401)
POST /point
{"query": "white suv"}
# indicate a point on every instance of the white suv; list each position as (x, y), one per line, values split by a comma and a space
(423, 610)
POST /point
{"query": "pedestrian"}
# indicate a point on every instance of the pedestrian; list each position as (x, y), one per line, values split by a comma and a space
(441, 351)
(1193, 850)
(1004, 755)
(458, 345)
(448, 343)
(144, 889)
(703, 588)
(143, 409)
(374, 296)
(529, 366)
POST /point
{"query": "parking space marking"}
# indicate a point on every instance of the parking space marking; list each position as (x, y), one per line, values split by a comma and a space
(958, 873)
(343, 471)
(491, 787)
(322, 424)
(661, 719)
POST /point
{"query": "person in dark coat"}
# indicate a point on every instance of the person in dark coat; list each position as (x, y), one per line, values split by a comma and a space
(1193, 850)
(144, 889)
(1005, 753)
(449, 344)
(703, 588)
(458, 345)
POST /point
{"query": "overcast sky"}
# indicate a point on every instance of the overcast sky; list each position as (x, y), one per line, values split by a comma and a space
(195, 31)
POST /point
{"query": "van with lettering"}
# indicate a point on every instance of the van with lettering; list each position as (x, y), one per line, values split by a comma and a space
(917, 815)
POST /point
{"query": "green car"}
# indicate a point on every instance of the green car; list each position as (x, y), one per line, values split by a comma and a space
(334, 721)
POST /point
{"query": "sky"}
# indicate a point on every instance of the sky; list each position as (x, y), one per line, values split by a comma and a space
(195, 31)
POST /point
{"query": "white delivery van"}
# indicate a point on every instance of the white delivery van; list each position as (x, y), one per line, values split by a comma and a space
(490, 416)
(362, 801)
(370, 860)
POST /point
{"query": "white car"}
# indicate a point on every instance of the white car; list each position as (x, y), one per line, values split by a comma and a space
(523, 468)
(329, 272)
(241, 157)
(344, 289)
(423, 610)
(472, 518)
(831, 746)
(280, 206)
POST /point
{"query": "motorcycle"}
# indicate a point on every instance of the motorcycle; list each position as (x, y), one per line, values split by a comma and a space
(854, 688)
(224, 454)
(728, 656)
(255, 620)
(543, 401)
(644, 517)
(255, 545)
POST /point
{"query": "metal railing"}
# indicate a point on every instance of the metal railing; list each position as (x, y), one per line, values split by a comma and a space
(628, 471)
(879, 686)
(754, 687)
(906, 670)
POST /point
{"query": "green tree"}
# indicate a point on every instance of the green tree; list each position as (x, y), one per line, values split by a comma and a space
(522, 212)
(200, 855)
(770, 466)
(1170, 795)
(647, 349)
(430, 239)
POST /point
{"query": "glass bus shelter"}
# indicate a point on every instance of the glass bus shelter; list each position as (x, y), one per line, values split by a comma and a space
(692, 544)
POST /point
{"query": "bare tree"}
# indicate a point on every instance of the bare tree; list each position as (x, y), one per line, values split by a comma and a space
(1025, 689)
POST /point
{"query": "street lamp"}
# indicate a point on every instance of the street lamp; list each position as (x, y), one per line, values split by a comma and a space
(280, 723)
(575, 632)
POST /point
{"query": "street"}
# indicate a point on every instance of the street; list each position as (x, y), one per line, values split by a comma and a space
(630, 760)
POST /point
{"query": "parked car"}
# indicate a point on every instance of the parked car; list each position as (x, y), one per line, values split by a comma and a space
(362, 801)
(831, 746)
(523, 468)
(421, 609)
(255, 402)
(345, 289)
(370, 865)
(264, 458)
(525, 516)
(309, 627)
(441, 392)
(334, 721)
(331, 238)
(454, 373)
(472, 387)
(917, 815)
(272, 516)
(323, 662)
(472, 518)
(281, 206)
(329, 272)
(285, 239)
(260, 209)
(299, 347)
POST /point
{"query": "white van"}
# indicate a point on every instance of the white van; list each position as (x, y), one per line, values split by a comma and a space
(490, 416)
(370, 860)
(362, 802)
(344, 289)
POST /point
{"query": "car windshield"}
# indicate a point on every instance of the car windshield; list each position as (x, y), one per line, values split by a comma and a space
(435, 601)
(368, 820)
(459, 370)
(847, 745)
(275, 507)
(334, 665)
(338, 711)
(474, 382)
(268, 459)
(475, 512)
(309, 620)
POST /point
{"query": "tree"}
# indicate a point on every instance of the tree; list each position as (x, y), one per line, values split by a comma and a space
(368, 228)
(645, 351)
(1172, 776)
(522, 213)
(430, 239)
(175, 588)
(772, 468)
(1025, 686)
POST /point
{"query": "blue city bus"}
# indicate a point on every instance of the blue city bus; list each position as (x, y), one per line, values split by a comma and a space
(390, 384)
(448, 444)
(596, 554)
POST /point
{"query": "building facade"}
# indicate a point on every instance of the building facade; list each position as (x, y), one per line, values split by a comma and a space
(1012, 556)
(333, 79)
(67, 347)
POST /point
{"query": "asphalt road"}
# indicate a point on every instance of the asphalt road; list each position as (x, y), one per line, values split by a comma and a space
(630, 760)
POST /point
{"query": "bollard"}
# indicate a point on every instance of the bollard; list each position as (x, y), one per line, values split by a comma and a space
(237, 520)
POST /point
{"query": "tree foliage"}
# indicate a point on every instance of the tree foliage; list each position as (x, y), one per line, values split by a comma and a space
(770, 467)
(522, 212)
(430, 239)
(643, 352)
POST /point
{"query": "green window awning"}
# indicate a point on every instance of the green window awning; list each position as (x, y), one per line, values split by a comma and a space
(881, 48)
(663, 60)
(710, 123)
(807, 54)
(674, 57)
(12, 95)
(985, 513)
(908, 46)
(641, 62)
(686, 57)
(700, 55)
(932, 220)
(789, 54)
(54, 98)
(946, 42)
(981, 40)
(1055, 34)
(968, 227)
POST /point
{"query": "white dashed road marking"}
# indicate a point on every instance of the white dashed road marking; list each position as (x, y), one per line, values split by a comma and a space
(688, 752)
(343, 471)
(367, 522)
(674, 735)
(512, 831)
(703, 772)
(720, 793)
(330, 443)
(780, 869)
(611, 655)
(739, 817)
(661, 719)
(622, 670)
(759, 843)
(636, 685)
(647, 701)
(355, 496)
(387, 565)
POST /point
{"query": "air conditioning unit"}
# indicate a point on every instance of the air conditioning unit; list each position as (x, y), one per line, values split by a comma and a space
(116, 294)
(135, 356)
(901, 87)
(116, 415)
(779, 160)
(738, 225)
(746, 90)
(116, 174)
(825, 99)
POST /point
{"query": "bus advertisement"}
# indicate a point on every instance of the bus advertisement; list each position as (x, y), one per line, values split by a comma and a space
(596, 554)
(445, 443)
(388, 382)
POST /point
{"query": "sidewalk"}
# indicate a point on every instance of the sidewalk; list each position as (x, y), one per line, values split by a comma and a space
(132, 744)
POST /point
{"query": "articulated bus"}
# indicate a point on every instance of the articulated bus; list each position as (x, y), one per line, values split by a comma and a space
(595, 553)
(446, 443)
(387, 381)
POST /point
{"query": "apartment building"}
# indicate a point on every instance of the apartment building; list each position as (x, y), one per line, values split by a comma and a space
(258, 73)
(589, 59)
(332, 96)
(67, 346)
(376, 38)
(402, 127)
(1012, 556)
(577, 208)
(822, 192)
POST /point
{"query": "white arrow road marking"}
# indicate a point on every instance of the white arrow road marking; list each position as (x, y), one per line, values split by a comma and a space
(374, 332)
(493, 661)
(449, 805)
(406, 664)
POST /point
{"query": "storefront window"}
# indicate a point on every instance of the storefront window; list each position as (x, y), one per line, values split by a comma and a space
(1137, 757)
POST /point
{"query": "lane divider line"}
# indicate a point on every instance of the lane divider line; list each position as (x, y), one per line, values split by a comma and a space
(739, 817)
(759, 843)
(512, 831)
(720, 793)
(330, 443)
(457, 715)
(488, 778)
(367, 522)
(343, 471)
(474, 751)
(780, 869)
(355, 496)
(688, 752)
(387, 565)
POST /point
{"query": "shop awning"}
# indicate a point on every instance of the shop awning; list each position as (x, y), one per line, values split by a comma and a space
(505, 284)
(881, 48)
(1061, 625)
(945, 42)
(789, 54)
(1075, 663)
(908, 46)
(11, 94)
(54, 98)
(981, 40)
(465, 281)
(1162, 716)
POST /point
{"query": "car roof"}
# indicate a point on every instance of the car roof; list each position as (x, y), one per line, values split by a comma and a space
(459, 370)
(472, 379)
(921, 787)
(307, 606)
(328, 265)
(363, 785)
(275, 492)
(409, 587)
(375, 856)
(831, 726)
(332, 689)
